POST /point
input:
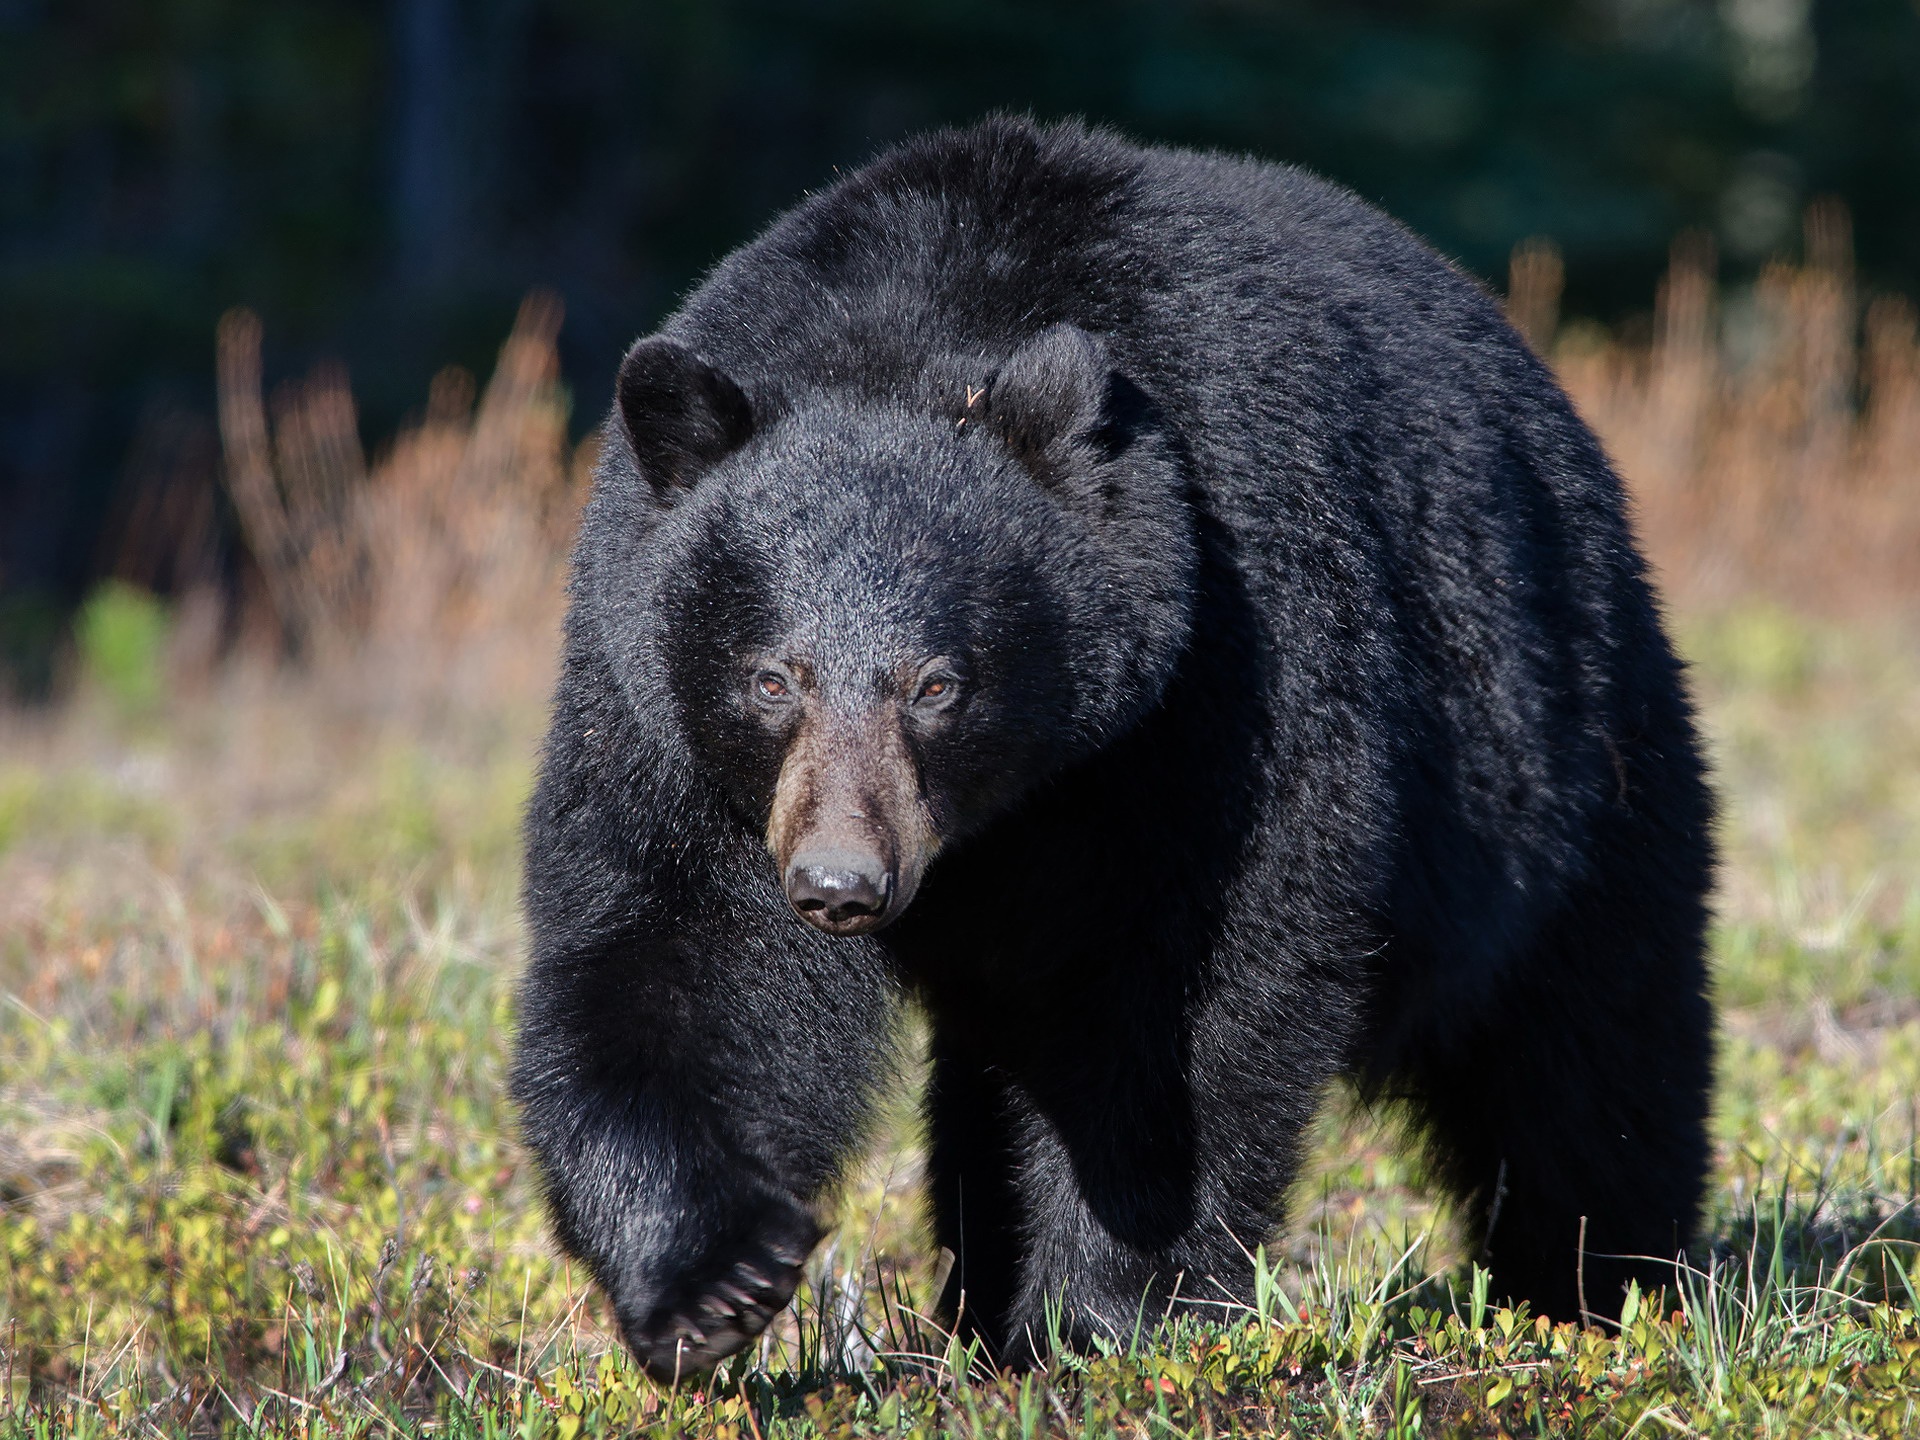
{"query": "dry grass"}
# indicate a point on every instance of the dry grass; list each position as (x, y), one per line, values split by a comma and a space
(1772, 444)
(1770, 436)
(436, 569)
(1771, 440)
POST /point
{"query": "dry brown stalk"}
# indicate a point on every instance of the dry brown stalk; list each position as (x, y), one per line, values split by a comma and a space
(1536, 278)
(1773, 450)
(447, 551)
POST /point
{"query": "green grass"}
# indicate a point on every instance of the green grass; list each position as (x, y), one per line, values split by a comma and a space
(257, 1172)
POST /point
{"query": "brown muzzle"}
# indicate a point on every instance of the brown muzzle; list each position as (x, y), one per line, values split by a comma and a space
(850, 831)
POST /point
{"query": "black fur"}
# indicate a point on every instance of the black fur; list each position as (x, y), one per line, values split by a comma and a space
(1318, 720)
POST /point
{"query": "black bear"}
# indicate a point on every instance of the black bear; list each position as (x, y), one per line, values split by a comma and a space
(1150, 611)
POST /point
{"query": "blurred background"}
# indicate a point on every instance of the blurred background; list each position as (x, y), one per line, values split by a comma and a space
(382, 182)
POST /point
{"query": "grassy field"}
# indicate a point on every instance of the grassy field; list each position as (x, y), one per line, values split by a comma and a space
(256, 1170)
(258, 937)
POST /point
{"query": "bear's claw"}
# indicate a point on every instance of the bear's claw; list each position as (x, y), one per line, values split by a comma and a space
(716, 1309)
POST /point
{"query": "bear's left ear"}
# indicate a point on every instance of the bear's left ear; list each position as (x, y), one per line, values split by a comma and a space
(1058, 395)
(1049, 390)
(682, 416)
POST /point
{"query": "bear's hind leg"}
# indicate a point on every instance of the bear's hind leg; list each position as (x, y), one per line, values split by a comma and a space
(1570, 1115)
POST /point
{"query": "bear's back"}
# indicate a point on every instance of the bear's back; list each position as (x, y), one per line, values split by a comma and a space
(955, 242)
(1289, 329)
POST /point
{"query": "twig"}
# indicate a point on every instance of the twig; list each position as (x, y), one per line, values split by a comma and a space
(1580, 1277)
(336, 1374)
(1510, 1367)
(747, 1405)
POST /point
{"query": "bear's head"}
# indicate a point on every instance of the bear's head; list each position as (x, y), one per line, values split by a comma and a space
(881, 616)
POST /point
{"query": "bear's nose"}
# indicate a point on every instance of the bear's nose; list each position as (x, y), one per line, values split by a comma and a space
(839, 891)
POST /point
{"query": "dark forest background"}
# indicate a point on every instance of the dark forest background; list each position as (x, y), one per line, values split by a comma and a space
(383, 180)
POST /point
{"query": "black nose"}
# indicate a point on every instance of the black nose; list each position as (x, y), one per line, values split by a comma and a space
(837, 889)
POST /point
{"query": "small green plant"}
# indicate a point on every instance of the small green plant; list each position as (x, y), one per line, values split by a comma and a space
(122, 636)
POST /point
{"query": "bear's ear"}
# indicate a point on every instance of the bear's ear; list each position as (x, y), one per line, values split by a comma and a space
(681, 415)
(1060, 405)
(1049, 391)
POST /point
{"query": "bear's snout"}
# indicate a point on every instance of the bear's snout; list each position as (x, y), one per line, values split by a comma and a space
(843, 892)
(849, 831)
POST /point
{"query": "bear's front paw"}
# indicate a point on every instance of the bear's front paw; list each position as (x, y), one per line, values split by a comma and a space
(724, 1298)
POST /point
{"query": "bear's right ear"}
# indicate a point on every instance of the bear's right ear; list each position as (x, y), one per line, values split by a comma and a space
(681, 415)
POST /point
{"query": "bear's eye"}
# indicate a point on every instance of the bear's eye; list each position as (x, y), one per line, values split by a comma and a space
(936, 690)
(772, 686)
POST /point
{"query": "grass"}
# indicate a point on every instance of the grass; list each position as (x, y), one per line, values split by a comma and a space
(258, 935)
(257, 1173)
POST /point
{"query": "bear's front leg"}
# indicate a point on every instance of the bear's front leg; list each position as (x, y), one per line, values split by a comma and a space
(695, 1253)
(689, 1089)
(1119, 1156)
